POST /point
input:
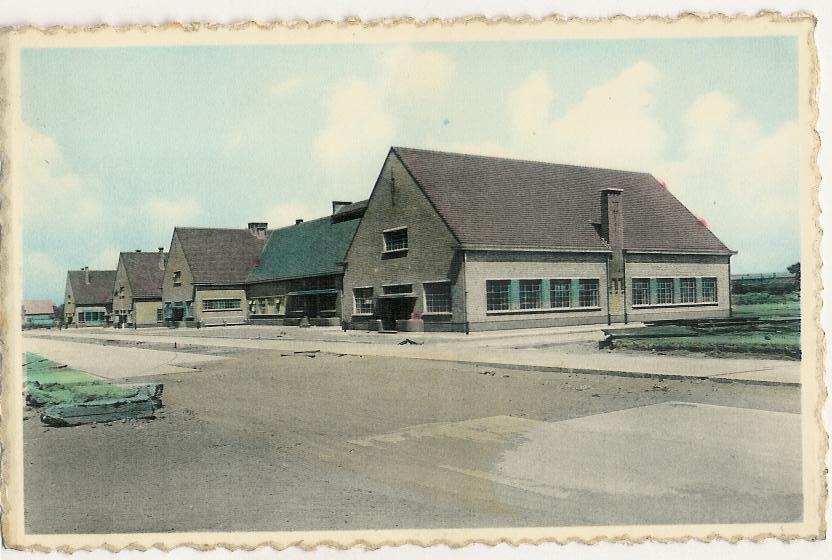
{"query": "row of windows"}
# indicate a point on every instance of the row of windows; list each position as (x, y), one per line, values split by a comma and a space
(91, 316)
(437, 297)
(221, 304)
(500, 295)
(667, 291)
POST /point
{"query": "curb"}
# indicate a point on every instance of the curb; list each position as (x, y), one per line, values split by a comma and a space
(632, 374)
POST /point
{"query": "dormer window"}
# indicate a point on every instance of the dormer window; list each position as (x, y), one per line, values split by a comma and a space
(177, 278)
(395, 240)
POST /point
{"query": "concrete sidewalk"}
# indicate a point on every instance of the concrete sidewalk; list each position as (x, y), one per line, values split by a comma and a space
(760, 371)
(114, 362)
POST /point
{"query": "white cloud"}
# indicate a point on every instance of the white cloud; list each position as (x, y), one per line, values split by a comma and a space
(612, 125)
(416, 73)
(529, 104)
(356, 118)
(48, 182)
(360, 123)
(733, 171)
(729, 163)
(105, 259)
(160, 215)
(285, 214)
(286, 87)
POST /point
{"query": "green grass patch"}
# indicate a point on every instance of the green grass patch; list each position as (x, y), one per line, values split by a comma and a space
(49, 382)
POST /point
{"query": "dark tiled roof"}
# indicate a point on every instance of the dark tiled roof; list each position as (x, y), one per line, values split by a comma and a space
(506, 202)
(313, 248)
(351, 211)
(144, 273)
(38, 307)
(220, 256)
(98, 291)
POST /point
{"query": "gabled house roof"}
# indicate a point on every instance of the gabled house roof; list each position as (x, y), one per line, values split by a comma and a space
(38, 307)
(98, 292)
(145, 272)
(313, 248)
(489, 201)
(218, 255)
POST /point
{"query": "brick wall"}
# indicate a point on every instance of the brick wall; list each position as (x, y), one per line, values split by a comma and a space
(487, 265)
(430, 255)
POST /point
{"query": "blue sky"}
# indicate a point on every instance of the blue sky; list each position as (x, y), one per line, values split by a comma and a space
(123, 144)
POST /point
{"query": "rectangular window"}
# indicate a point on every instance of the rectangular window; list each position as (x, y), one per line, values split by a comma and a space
(160, 315)
(438, 297)
(363, 301)
(687, 290)
(177, 278)
(222, 304)
(588, 293)
(395, 240)
(560, 293)
(529, 294)
(497, 295)
(664, 290)
(709, 290)
(398, 289)
(641, 291)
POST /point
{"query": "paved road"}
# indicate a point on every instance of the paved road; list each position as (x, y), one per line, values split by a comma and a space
(264, 441)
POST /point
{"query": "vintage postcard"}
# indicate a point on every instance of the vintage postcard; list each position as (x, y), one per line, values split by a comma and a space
(411, 282)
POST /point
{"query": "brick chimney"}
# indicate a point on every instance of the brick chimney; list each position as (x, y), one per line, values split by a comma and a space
(337, 205)
(258, 229)
(298, 221)
(161, 258)
(86, 275)
(612, 228)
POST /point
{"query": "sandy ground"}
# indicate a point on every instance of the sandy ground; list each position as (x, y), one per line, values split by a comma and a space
(260, 441)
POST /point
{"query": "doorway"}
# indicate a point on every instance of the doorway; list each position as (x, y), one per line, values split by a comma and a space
(395, 309)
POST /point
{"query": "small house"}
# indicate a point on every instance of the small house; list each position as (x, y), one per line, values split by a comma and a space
(137, 294)
(38, 313)
(205, 277)
(88, 298)
(299, 275)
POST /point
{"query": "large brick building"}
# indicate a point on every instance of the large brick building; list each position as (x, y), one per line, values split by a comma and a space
(458, 242)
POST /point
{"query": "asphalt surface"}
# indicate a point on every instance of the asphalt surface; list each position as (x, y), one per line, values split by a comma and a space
(262, 441)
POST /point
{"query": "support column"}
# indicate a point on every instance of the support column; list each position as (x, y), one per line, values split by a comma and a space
(514, 294)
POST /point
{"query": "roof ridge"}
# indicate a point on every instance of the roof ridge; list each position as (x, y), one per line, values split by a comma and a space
(518, 160)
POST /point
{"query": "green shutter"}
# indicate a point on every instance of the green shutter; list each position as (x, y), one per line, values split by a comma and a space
(545, 292)
(514, 294)
(575, 293)
(654, 289)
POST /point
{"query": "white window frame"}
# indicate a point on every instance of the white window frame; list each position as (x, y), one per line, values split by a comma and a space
(682, 288)
(425, 298)
(715, 299)
(508, 299)
(355, 301)
(393, 230)
(206, 300)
